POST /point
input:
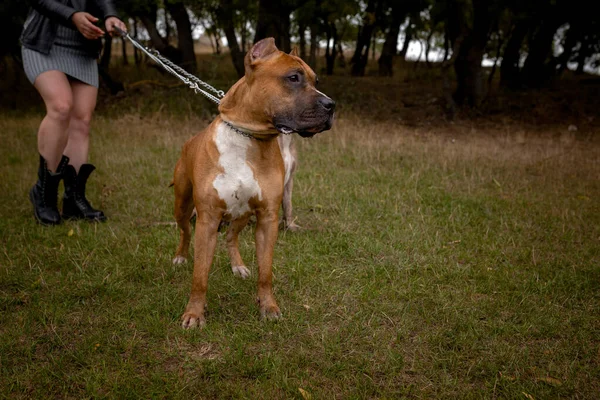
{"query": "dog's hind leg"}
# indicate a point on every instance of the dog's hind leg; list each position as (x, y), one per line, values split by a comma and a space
(184, 206)
(290, 157)
(288, 217)
(237, 264)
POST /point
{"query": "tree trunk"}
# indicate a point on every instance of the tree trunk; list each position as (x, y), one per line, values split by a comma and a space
(149, 21)
(314, 44)
(428, 48)
(446, 48)
(536, 70)
(225, 15)
(468, 61)
(106, 52)
(363, 41)
(331, 51)
(167, 27)
(510, 68)
(582, 55)
(340, 51)
(498, 54)
(217, 41)
(274, 20)
(389, 49)
(446, 76)
(408, 35)
(302, 41)
(373, 45)
(244, 37)
(137, 54)
(124, 51)
(184, 35)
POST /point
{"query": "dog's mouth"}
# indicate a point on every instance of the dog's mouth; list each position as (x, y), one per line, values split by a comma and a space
(304, 132)
(286, 130)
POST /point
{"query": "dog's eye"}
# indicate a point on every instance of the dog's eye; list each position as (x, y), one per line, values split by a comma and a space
(317, 81)
(294, 78)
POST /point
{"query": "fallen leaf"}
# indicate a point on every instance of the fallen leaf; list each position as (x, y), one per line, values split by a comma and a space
(550, 380)
(305, 394)
(507, 377)
(70, 233)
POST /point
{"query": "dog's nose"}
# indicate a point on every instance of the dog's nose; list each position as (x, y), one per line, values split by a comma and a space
(327, 103)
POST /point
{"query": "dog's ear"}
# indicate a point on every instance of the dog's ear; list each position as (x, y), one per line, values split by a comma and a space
(262, 50)
(294, 52)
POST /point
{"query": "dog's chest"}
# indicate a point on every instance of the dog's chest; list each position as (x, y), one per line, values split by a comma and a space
(236, 185)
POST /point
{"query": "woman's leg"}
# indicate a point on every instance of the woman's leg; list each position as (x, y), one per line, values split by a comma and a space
(75, 203)
(56, 91)
(84, 103)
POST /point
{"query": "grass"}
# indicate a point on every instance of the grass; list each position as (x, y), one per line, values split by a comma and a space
(438, 260)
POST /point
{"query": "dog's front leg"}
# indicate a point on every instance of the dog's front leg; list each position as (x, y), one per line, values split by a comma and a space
(266, 236)
(204, 249)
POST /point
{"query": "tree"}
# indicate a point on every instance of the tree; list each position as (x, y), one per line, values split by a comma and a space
(373, 12)
(274, 21)
(468, 26)
(226, 15)
(179, 13)
(390, 46)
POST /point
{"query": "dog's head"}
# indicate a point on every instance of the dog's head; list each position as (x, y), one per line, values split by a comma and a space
(277, 94)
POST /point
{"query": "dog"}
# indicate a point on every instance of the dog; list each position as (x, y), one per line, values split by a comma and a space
(234, 169)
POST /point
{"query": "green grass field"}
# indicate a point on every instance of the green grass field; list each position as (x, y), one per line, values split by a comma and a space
(438, 260)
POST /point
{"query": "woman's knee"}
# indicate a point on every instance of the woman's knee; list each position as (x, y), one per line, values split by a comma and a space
(80, 121)
(60, 109)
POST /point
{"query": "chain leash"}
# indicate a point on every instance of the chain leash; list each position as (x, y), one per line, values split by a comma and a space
(193, 82)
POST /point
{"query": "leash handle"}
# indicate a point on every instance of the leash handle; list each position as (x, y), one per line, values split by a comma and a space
(120, 31)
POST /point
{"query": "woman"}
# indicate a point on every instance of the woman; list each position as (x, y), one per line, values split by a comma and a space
(60, 45)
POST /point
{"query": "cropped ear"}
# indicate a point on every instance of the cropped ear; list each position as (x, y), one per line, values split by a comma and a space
(294, 52)
(262, 49)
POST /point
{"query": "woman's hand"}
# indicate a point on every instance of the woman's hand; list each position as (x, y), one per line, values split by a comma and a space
(111, 22)
(84, 23)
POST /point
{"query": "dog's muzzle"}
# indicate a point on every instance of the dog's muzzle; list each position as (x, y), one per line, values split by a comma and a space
(311, 121)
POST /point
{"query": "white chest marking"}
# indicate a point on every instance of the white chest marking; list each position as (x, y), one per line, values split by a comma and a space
(286, 154)
(237, 184)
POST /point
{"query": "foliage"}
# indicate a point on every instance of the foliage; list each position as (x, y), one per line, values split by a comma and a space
(549, 35)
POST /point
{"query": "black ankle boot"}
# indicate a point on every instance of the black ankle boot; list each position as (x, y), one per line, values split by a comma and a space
(75, 205)
(43, 194)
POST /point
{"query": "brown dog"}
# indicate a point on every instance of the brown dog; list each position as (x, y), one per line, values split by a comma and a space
(234, 168)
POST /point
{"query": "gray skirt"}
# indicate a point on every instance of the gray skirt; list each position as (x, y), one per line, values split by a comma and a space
(80, 67)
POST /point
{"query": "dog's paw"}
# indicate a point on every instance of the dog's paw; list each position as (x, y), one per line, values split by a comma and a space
(191, 320)
(292, 227)
(269, 310)
(179, 260)
(241, 271)
(270, 313)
